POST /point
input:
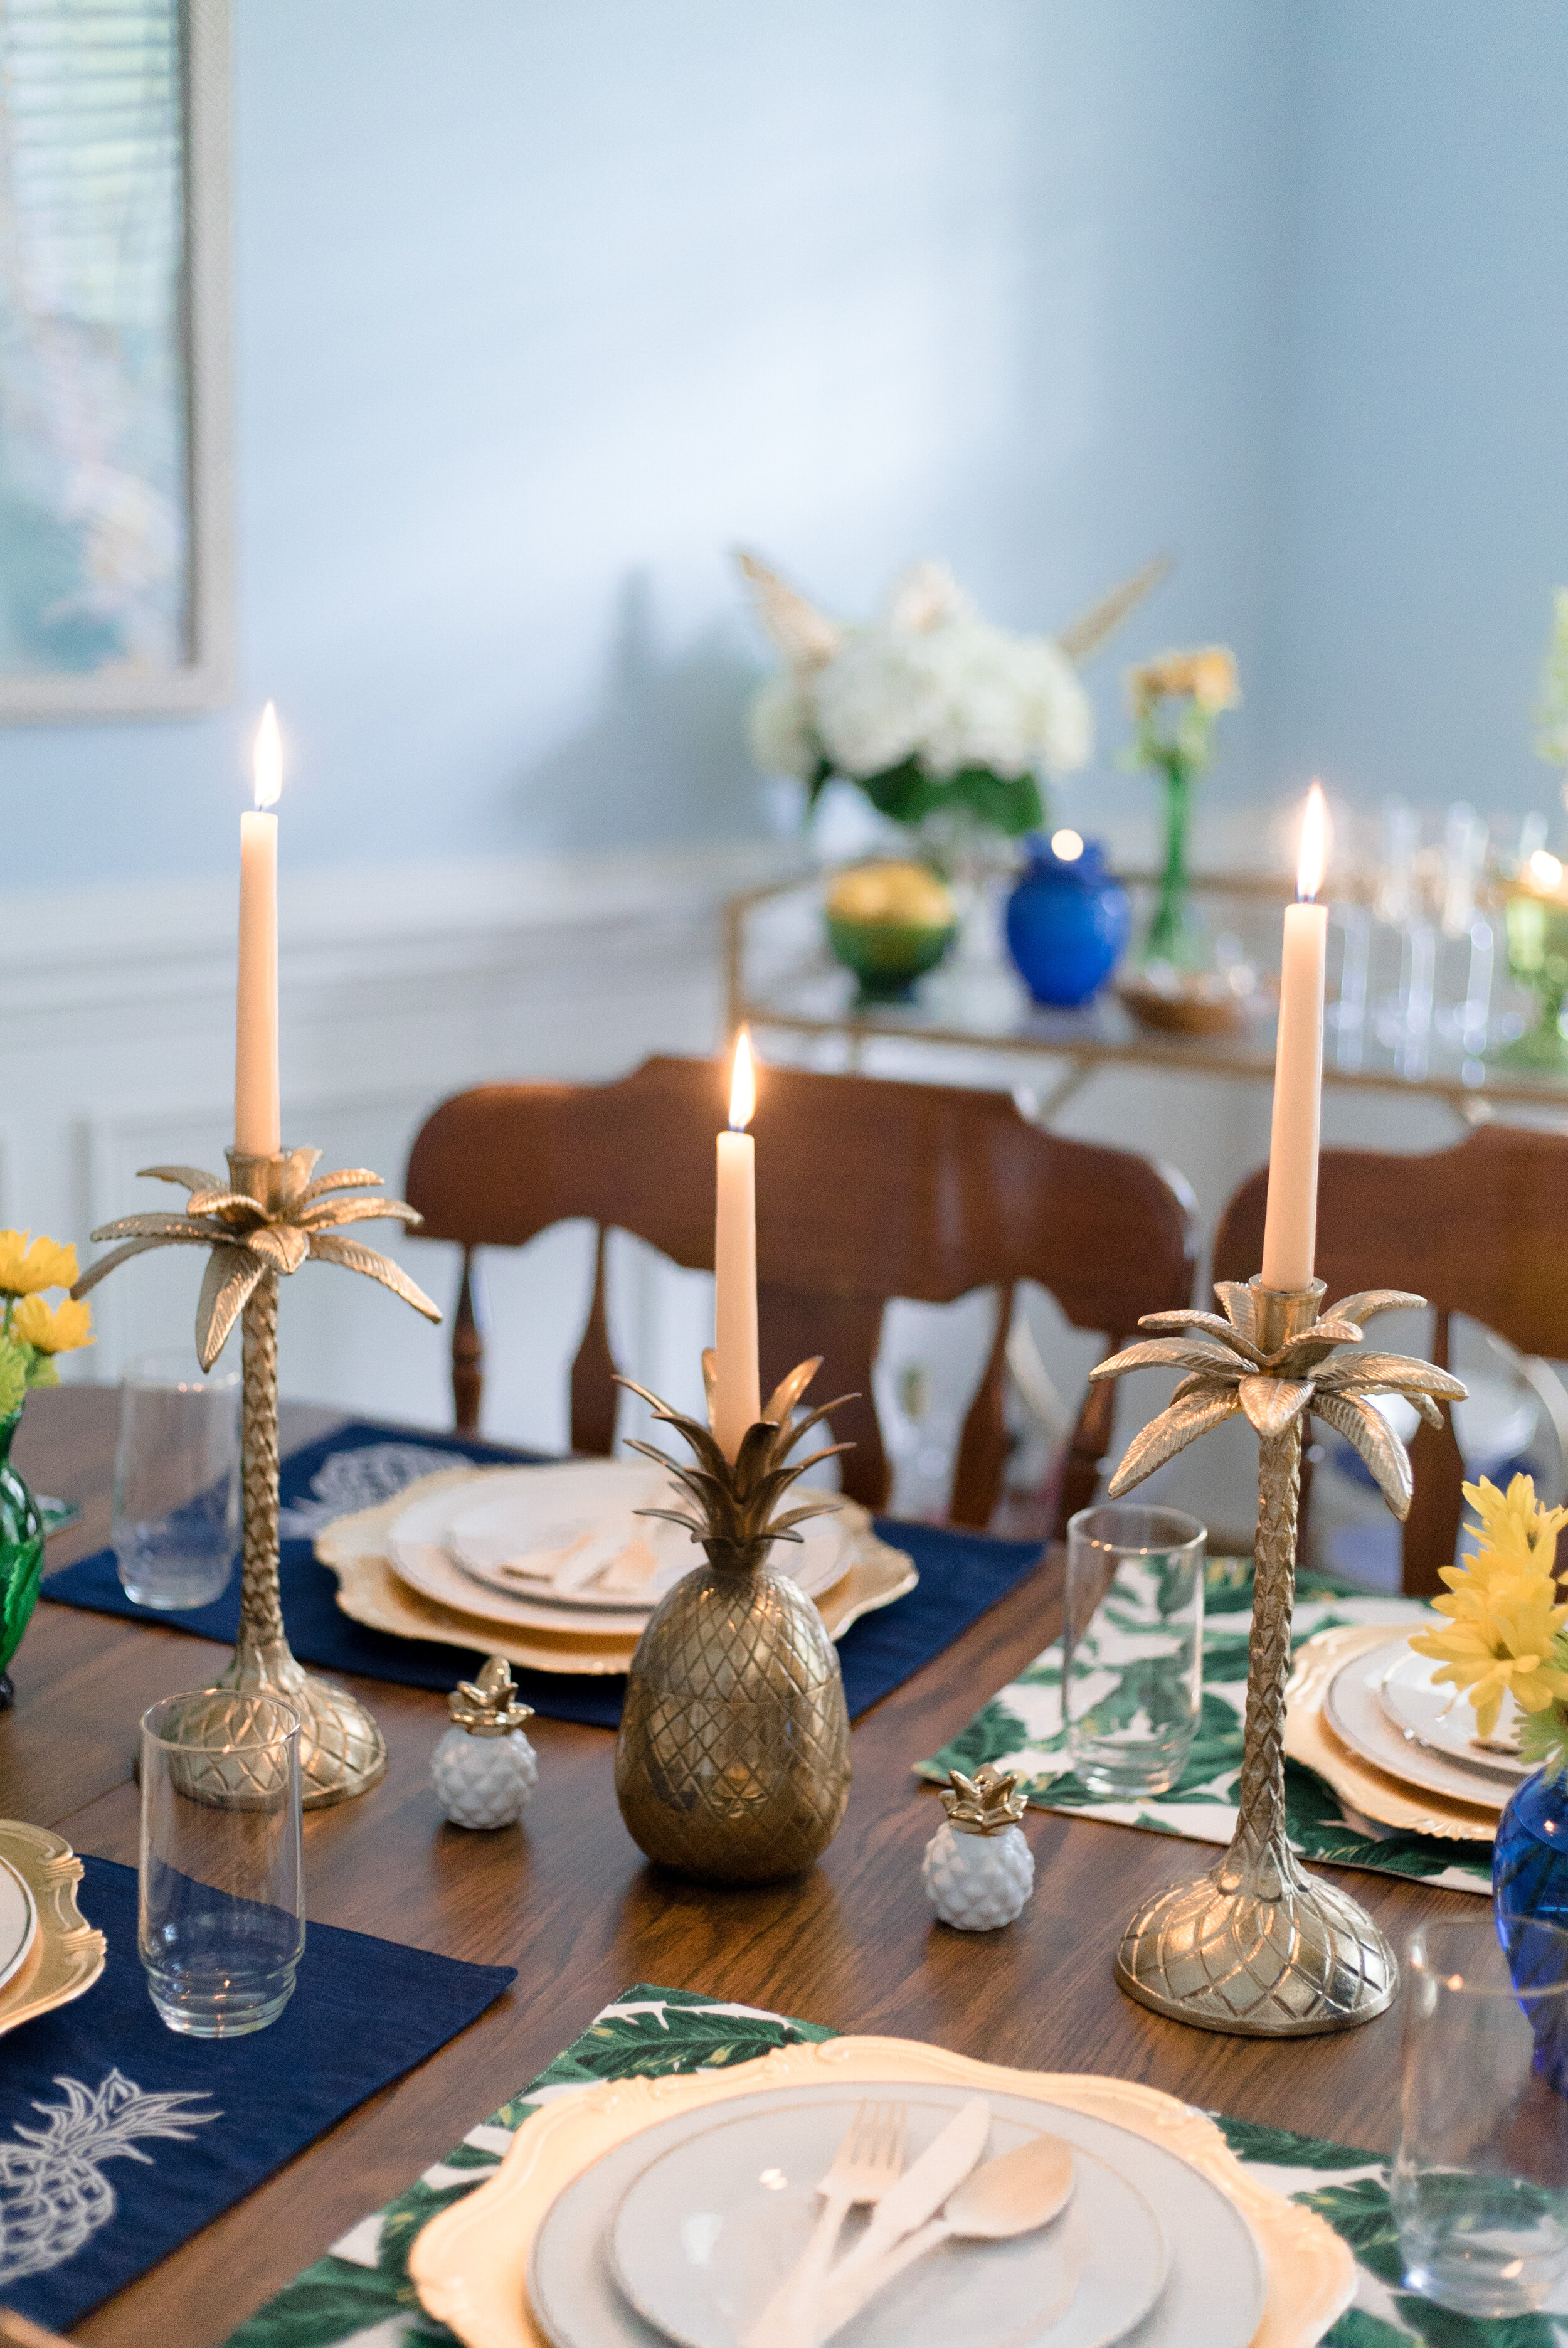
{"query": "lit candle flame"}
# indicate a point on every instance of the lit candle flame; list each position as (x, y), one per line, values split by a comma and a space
(268, 759)
(743, 1086)
(1066, 846)
(1314, 847)
(1546, 870)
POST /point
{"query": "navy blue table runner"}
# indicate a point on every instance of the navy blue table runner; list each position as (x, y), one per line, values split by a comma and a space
(119, 2139)
(961, 1574)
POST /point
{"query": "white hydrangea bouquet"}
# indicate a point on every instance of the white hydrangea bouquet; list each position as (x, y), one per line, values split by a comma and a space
(945, 720)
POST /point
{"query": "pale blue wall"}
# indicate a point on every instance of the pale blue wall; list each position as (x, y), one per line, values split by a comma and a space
(1423, 453)
(541, 308)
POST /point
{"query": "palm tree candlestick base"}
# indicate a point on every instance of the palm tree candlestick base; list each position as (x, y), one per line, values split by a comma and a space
(1257, 1947)
(260, 1225)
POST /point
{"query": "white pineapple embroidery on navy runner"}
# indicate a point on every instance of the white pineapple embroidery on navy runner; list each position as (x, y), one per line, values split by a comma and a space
(52, 2195)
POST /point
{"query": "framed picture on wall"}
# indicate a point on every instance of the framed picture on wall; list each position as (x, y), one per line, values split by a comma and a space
(115, 526)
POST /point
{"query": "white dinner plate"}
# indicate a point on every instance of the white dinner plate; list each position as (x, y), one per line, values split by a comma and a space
(417, 1549)
(1438, 1716)
(1213, 2289)
(19, 1923)
(539, 1517)
(1353, 1707)
(706, 2234)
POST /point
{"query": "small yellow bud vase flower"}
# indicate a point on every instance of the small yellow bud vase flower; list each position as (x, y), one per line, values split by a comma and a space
(32, 1333)
(1174, 700)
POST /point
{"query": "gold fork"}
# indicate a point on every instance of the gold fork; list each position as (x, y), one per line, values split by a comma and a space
(867, 2163)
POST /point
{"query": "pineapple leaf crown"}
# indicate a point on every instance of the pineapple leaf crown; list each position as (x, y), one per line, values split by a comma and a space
(986, 1804)
(91, 2127)
(1318, 1369)
(489, 1705)
(730, 1503)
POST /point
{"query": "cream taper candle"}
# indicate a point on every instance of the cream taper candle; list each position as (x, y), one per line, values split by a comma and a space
(737, 1383)
(256, 1119)
(1290, 1225)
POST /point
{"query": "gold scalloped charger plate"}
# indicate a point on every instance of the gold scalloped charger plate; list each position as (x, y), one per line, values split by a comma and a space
(369, 1592)
(470, 2264)
(67, 1954)
(1387, 1800)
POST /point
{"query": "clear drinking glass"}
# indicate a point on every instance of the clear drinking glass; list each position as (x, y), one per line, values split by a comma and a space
(176, 1530)
(222, 1925)
(1131, 1675)
(1481, 2177)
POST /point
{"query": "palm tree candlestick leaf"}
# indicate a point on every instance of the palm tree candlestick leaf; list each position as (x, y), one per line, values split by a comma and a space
(189, 1177)
(1186, 1418)
(1234, 1338)
(227, 1285)
(324, 1213)
(327, 1248)
(1256, 1947)
(262, 1226)
(1377, 1443)
(1368, 1302)
(348, 1178)
(1273, 1404)
(731, 1762)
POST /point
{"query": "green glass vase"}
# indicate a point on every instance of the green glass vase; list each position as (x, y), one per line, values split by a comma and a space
(21, 1557)
(1176, 934)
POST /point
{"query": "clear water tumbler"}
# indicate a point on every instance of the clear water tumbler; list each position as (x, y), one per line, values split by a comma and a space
(222, 1923)
(176, 1530)
(1479, 2180)
(1132, 1675)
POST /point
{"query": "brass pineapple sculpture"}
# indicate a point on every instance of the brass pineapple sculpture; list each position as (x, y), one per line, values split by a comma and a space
(732, 1760)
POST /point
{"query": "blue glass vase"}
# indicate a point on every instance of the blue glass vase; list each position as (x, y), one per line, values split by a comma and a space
(1530, 1888)
(1530, 1858)
(1067, 922)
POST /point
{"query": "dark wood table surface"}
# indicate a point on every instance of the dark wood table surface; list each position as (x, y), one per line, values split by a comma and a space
(567, 1900)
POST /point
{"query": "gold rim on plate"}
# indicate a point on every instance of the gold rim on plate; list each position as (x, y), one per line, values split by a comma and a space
(370, 1592)
(1374, 1792)
(470, 2264)
(67, 1954)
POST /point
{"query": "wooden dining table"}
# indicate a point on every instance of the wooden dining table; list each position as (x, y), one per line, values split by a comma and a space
(568, 1898)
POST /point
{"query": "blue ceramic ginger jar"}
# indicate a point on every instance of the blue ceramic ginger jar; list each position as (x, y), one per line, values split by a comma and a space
(1067, 919)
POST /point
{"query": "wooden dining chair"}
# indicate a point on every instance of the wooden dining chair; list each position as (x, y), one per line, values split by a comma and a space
(866, 1190)
(1481, 1229)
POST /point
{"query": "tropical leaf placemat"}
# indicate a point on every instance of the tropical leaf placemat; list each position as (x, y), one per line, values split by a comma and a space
(1020, 1729)
(359, 2295)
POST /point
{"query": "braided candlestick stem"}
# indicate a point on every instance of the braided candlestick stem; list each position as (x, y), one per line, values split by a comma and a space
(342, 1750)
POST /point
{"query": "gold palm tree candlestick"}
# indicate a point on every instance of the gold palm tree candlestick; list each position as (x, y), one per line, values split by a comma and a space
(1255, 1946)
(733, 1759)
(262, 1223)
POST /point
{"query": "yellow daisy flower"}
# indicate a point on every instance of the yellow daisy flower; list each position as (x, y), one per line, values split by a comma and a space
(25, 1269)
(1515, 1524)
(1501, 1606)
(53, 1329)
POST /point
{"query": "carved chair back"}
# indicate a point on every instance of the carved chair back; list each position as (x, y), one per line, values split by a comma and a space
(866, 1190)
(1481, 1229)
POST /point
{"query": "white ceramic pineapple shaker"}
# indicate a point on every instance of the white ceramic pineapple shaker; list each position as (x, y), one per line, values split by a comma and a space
(978, 1870)
(485, 1769)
